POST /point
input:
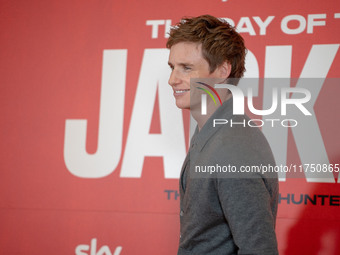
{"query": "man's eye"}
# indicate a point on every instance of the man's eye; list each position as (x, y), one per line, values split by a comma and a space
(187, 68)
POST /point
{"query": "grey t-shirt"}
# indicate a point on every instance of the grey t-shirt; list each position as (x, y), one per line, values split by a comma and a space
(228, 213)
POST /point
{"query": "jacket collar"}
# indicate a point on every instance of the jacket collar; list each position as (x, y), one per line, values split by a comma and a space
(200, 138)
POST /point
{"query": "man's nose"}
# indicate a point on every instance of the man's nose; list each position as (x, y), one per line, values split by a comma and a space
(174, 79)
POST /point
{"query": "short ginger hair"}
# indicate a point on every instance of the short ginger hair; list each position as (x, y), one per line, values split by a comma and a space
(220, 41)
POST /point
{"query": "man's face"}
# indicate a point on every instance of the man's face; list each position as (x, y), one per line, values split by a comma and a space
(186, 61)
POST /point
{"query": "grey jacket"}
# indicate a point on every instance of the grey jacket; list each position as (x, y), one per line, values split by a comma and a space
(227, 213)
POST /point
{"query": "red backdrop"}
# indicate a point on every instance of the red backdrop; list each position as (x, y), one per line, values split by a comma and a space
(92, 143)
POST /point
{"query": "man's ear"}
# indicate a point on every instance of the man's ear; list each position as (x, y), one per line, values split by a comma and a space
(225, 70)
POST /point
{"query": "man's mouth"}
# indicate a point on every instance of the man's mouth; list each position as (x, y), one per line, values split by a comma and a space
(180, 91)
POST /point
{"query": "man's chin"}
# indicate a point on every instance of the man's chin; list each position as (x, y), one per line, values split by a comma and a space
(183, 106)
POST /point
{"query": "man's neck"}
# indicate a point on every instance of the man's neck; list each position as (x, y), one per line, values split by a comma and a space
(211, 108)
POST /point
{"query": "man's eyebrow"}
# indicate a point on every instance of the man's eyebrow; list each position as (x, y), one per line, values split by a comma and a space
(185, 64)
(180, 64)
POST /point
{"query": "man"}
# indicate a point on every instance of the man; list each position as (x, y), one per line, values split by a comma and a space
(223, 213)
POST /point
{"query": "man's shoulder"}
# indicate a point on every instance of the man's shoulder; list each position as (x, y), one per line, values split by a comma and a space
(238, 132)
(239, 145)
